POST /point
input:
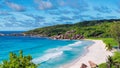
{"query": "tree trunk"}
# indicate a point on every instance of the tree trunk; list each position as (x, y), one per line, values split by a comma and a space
(108, 65)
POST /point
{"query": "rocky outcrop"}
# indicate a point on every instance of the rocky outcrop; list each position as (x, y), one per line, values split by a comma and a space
(71, 35)
(2, 34)
(23, 34)
(68, 35)
(14, 34)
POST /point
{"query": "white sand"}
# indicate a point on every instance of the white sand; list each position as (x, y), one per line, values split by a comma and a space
(96, 53)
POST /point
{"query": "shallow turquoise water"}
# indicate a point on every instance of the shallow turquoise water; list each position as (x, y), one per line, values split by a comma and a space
(49, 53)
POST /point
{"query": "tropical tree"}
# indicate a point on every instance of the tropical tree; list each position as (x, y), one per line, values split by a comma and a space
(115, 32)
(18, 61)
(109, 62)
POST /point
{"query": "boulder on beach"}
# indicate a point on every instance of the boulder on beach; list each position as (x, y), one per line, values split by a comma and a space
(92, 64)
(83, 66)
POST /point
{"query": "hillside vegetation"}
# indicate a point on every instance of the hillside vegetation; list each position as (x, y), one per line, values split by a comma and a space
(97, 28)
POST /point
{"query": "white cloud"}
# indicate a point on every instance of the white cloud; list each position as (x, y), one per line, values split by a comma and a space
(44, 4)
(15, 6)
(61, 2)
(15, 29)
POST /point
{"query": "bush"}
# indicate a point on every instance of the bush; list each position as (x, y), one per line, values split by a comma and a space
(18, 61)
(103, 65)
(116, 57)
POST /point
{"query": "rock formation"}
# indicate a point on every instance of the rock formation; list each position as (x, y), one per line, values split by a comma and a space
(68, 35)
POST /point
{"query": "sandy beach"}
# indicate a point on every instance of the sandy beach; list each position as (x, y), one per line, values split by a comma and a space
(96, 53)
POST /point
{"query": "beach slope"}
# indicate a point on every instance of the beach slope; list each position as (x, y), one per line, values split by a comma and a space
(96, 53)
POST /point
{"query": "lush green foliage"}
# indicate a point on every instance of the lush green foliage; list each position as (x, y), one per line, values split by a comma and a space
(115, 32)
(19, 61)
(116, 57)
(112, 62)
(103, 65)
(99, 28)
(110, 41)
(51, 30)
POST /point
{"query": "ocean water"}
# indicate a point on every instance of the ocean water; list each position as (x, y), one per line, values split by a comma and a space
(46, 52)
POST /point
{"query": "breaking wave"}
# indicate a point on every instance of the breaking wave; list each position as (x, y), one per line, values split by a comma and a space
(55, 52)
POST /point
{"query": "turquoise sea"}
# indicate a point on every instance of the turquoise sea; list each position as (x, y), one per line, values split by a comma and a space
(49, 53)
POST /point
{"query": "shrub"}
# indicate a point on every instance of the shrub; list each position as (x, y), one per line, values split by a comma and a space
(18, 61)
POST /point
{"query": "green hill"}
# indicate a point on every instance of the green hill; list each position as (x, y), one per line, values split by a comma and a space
(96, 28)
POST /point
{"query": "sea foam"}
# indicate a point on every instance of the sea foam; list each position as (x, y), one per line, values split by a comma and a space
(55, 52)
(47, 57)
(65, 48)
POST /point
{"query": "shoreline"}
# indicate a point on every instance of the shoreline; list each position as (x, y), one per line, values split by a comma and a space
(95, 53)
(84, 58)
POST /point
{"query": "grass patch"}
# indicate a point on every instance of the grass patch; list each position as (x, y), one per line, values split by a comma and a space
(107, 41)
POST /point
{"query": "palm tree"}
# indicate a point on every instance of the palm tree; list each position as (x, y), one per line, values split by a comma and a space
(109, 62)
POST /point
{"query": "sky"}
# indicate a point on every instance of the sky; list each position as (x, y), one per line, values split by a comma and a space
(19, 15)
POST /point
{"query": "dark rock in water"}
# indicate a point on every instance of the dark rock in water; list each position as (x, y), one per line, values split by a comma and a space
(2, 34)
(14, 34)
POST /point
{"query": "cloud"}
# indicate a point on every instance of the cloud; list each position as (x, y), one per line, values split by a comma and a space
(83, 17)
(54, 12)
(65, 11)
(92, 18)
(4, 13)
(111, 17)
(54, 4)
(9, 24)
(76, 17)
(72, 3)
(61, 2)
(76, 12)
(117, 10)
(43, 4)
(60, 20)
(1, 25)
(81, 5)
(99, 18)
(64, 18)
(68, 22)
(36, 17)
(118, 7)
(102, 9)
(15, 6)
